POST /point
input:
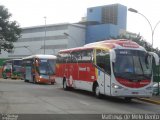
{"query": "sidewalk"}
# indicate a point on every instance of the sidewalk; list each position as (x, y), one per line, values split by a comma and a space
(155, 99)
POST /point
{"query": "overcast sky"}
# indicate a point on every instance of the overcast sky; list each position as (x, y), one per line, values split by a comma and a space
(31, 13)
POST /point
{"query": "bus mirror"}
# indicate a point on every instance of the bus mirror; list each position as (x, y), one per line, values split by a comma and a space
(113, 55)
(146, 58)
(156, 57)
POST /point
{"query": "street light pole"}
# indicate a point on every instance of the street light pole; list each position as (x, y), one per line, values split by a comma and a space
(152, 29)
(27, 47)
(68, 35)
(45, 34)
(135, 11)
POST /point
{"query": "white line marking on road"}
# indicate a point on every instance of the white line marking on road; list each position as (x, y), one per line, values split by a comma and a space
(83, 102)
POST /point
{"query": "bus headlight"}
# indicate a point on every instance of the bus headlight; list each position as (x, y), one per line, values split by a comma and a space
(116, 86)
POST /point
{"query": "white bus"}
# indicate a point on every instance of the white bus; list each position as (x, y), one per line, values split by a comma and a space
(39, 68)
(111, 67)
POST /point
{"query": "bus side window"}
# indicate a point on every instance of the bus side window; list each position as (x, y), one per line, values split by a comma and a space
(76, 57)
(59, 58)
(87, 55)
(63, 58)
(103, 60)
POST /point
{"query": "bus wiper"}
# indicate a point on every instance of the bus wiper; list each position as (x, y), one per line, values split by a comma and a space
(126, 75)
(143, 76)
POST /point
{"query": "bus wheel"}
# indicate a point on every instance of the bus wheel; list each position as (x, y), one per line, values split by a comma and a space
(128, 99)
(52, 83)
(97, 91)
(65, 87)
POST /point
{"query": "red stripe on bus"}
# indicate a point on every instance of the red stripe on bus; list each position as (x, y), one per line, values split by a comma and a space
(133, 84)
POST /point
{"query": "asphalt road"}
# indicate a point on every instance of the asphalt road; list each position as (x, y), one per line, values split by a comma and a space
(18, 97)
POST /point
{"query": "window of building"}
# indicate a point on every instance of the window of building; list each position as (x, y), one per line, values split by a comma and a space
(109, 14)
(90, 10)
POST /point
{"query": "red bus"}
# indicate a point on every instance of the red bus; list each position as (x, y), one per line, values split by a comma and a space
(111, 67)
(39, 68)
(12, 69)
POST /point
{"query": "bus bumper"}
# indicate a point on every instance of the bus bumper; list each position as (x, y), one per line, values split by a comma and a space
(132, 93)
(46, 79)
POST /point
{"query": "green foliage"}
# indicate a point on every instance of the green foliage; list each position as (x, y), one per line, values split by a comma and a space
(9, 30)
(139, 39)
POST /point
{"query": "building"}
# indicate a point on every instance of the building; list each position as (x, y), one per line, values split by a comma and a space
(107, 21)
(47, 39)
(102, 22)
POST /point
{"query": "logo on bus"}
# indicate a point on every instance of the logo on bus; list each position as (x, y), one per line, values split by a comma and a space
(129, 45)
(84, 69)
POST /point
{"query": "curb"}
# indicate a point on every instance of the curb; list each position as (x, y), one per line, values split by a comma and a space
(157, 102)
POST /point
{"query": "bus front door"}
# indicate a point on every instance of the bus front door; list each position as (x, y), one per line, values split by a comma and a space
(104, 82)
(28, 74)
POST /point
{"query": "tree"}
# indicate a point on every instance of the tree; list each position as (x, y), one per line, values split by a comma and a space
(9, 30)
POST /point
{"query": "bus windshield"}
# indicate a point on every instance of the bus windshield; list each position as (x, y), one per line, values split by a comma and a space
(47, 67)
(132, 65)
(17, 64)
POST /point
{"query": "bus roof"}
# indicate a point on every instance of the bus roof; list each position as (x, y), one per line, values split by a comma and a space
(82, 48)
(119, 42)
(12, 60)
(107, 44)
(41, 56)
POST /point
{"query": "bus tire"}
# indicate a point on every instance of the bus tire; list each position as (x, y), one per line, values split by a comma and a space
(128, 99)
(65, 87)
(97, 91)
